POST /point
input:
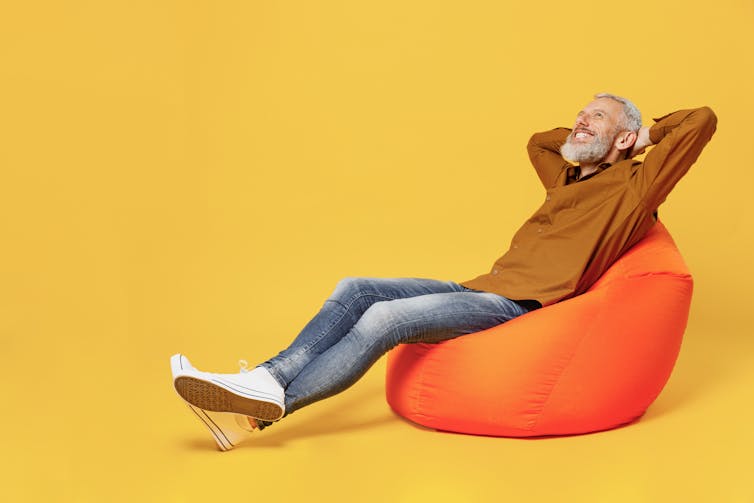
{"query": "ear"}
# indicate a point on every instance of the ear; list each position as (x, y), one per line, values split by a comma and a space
(625, 140)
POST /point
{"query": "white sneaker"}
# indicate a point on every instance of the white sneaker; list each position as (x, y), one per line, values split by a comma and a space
(227, 429)
(250, 393)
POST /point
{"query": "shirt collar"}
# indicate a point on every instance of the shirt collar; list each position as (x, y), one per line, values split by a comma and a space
(573, 173)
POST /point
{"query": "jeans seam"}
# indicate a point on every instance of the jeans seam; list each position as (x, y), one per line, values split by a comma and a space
(306, 348)
(421, 320)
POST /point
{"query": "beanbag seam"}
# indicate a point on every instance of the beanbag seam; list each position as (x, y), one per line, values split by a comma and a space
(421, 391)
(587, 332)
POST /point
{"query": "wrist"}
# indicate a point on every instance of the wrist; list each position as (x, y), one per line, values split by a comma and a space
(656, 133)
(644, 138)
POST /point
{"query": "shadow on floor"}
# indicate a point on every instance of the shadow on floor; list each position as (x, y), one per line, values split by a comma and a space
(318, 422)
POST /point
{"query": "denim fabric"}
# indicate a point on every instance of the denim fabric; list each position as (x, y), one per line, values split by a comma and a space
(366, 317)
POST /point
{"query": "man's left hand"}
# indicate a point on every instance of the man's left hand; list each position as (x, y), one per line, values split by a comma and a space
(642, 142)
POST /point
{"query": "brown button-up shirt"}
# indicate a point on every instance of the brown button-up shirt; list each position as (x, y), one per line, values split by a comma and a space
(585, 224)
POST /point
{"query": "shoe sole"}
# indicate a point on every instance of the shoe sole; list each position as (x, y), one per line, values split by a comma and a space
(209, 396)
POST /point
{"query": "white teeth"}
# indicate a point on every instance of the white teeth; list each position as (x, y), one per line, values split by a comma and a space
(581, 135)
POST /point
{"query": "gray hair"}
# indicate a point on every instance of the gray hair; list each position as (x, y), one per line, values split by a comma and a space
(631, 115)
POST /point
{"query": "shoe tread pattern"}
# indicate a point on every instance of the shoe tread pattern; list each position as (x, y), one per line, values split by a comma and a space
(208, 396)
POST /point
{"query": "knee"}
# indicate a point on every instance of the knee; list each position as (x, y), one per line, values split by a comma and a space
(378, 323)
(349, 287)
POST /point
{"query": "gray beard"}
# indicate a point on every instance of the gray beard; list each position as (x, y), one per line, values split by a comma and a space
(592, 152)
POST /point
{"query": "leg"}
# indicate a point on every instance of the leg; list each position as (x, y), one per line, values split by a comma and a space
(260, 393)
(341, 311)
(427, 318)
(363, 319)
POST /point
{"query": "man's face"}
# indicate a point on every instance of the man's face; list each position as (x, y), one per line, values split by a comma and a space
(594, 132)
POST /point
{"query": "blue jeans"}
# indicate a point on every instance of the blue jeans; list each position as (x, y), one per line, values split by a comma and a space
(366, 317)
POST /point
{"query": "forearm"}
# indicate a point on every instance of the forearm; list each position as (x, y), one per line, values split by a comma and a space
(544, 153)
(651, 135)
(548, 141)
(702, 119)
(679, 138)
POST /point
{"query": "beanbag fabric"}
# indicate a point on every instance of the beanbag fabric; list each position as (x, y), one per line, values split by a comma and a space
(588, 363)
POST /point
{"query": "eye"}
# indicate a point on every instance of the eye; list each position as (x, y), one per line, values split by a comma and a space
(598, 115)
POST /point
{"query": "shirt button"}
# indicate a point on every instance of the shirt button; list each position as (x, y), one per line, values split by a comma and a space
(539, 230)
(548, 197)
(494, 271)
(515, 246)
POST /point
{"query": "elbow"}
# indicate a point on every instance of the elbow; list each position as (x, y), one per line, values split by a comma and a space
(708, 119)
(535, 141)
(548, 140)
(535, 146)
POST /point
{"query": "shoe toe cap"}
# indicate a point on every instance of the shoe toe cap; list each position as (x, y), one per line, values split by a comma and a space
(180, 365)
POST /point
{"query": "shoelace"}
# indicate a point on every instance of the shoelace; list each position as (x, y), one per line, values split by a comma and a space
(244, 365)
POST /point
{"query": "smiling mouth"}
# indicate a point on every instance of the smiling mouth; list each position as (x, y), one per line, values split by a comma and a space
(581, 134)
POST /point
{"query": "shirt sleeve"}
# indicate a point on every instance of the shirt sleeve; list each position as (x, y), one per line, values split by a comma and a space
(544, 152)
(679, 138)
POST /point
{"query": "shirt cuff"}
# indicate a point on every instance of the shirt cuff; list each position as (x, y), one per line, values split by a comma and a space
(657, 132)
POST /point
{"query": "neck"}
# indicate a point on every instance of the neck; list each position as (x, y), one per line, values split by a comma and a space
(587, 168)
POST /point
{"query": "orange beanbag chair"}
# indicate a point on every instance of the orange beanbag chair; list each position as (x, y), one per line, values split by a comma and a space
(588, 363)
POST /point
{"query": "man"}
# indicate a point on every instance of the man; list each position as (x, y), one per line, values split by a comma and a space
(592, 213)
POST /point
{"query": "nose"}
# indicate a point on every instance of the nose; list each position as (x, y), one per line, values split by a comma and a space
(582, 120)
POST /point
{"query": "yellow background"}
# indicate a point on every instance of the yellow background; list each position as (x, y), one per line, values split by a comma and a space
(196, 177)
